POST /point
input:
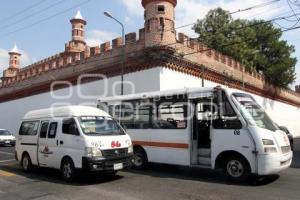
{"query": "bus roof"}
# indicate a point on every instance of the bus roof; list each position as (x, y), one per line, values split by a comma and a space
(66, 111)
(157, 94)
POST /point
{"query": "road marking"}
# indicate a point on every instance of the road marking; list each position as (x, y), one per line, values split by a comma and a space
(2, 152)
(6, 174)
(4, 161)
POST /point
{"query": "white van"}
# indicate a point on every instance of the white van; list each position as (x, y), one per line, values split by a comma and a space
(71, 138)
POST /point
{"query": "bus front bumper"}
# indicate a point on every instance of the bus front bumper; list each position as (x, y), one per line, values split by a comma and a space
(112, 164)
(273, 163)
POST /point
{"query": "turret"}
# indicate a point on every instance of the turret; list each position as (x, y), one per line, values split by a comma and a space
(159, 22)
(14, 63)
(77, 44)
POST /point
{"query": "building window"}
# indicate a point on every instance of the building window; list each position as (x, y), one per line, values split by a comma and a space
(148, 26)
(161, 8)
(161, 21)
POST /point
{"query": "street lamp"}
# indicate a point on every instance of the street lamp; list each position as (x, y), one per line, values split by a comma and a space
(107, 14)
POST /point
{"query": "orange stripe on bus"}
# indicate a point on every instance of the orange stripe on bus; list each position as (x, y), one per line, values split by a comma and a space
(162, 144)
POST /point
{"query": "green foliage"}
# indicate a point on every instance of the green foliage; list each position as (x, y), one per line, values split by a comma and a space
(255, 43)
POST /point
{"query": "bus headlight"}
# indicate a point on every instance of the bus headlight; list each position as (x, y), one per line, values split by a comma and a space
(93, 152)
(270, 150)
(268, 142)
(130, 149)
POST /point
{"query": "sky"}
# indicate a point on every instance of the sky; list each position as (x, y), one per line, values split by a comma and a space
(40, 28)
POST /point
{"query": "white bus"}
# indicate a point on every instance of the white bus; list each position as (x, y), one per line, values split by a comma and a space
(214, 128)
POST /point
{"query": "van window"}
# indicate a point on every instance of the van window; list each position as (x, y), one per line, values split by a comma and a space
(70, 127)
(29, 128)
(44, 128)
(52, 130)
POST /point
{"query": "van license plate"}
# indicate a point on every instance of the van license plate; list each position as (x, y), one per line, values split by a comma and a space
(7, 142)
(118, 166)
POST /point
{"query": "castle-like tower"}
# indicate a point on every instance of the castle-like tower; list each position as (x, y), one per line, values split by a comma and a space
(159, 22)
(14, 63)
(77, 44)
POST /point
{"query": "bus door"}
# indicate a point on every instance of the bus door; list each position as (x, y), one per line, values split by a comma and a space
(203, 110)
(229, 132)
(42, 143)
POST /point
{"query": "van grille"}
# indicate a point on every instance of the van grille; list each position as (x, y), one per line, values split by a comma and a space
(115, 153)
(285, 149)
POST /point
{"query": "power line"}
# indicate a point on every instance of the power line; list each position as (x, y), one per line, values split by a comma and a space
(31, 15)
(234, 43)
(45, 19)
(292, 9)
(22, 11)
(256, 6)
(237, 11)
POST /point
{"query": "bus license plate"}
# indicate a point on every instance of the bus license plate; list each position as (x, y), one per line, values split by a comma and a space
(118, 166)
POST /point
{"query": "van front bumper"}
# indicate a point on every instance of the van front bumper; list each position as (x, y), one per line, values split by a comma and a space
(104, 164)
(274, 163)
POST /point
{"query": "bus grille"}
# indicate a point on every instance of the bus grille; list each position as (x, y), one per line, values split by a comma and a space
(285, 149)
(115, 153)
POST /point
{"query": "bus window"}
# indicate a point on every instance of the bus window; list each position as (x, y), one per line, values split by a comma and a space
(136, 114)
(170, 114)
(227, 118)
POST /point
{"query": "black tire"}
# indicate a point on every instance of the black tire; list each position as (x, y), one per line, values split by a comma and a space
(26, 163)
(67, 170)
(140, 159)
(237, 169)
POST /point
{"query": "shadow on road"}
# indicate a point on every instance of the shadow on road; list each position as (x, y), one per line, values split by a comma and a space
(296, 160)
(199, 174)
(51, 175)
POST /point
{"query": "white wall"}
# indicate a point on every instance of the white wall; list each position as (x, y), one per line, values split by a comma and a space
(12, 112)
(281, 113)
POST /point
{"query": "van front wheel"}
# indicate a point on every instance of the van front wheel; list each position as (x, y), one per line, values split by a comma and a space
(67, 170)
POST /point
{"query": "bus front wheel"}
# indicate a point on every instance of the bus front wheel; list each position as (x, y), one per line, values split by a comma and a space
(236, 168)
(140, 158)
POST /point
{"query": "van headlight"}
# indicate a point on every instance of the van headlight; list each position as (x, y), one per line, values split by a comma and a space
(93, 152)
(268, 142)
(270, 150)
(130, 149)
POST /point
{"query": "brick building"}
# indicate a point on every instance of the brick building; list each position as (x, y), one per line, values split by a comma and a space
(157, 58)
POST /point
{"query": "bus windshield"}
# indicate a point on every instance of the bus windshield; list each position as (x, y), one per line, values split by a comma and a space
(253, 112)
(100, 126)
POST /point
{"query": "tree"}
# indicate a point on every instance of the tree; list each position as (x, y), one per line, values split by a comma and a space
(255, 43)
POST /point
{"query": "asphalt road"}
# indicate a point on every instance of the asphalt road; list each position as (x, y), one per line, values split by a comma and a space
(157, 182)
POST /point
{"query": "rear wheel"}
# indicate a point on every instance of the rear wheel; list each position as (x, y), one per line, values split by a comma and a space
(237, 169)
(67, 170)
(140, 158)
(26, 163)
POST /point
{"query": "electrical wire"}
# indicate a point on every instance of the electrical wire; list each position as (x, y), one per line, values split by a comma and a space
(31, 15)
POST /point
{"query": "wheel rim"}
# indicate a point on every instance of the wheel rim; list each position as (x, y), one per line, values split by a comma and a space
(25, 162)
(138, 160)
(235, 168)
(67, 171)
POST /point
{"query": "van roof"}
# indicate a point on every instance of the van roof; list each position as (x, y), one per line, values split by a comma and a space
(66, 111)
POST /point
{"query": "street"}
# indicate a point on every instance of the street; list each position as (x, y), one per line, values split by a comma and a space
(157, 182)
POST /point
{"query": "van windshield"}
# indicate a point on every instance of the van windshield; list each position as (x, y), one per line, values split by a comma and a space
(4, 132)
(100, 126)
(253, 112)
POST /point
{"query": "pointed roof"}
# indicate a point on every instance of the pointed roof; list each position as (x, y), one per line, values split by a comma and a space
(78, 15)
(15, 49)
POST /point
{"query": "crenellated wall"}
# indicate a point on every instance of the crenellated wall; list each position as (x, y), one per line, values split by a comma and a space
(106, 52)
